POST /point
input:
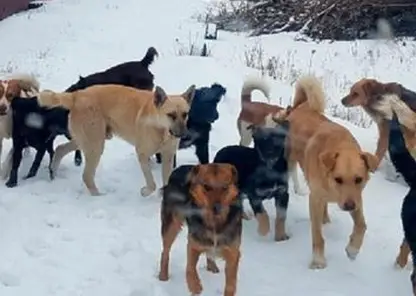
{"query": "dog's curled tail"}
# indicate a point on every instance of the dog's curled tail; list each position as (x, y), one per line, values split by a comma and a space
(48, 98)
(400, 156)
(309, 89)
(252, 83)
(149, 58)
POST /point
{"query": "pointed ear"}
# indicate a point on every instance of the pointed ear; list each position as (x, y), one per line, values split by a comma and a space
(371, 161)
(329, 159)
(189, 94)
(192, 174)
(81, 78)
(160, 96)
(234, 173)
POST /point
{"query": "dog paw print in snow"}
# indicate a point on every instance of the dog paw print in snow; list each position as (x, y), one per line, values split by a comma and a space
(9, 280)
(52, 221)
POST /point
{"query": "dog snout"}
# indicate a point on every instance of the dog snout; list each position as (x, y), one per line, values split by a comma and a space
(349, 205)
(179, 130)
(3, 109)
(216, 209)
(344, 101)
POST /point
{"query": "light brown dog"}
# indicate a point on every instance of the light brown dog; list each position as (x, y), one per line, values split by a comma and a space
(151, 121)
(19, 85)
(379, 100)
(206, 198)
(335, 167)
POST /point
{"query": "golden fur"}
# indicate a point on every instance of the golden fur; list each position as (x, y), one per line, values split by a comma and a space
(335, 167)
(151, 121)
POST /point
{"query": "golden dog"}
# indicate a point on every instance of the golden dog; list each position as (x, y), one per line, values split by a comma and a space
(335, 167)
(151, 121)
(206, 197)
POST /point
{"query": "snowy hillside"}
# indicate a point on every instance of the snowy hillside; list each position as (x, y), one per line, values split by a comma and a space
(55, 239)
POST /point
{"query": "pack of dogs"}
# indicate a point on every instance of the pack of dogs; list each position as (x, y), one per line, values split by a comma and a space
(208, 197)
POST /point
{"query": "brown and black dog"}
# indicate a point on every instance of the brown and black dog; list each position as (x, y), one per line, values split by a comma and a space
(207, 199)
(335, 167)
(379, 100)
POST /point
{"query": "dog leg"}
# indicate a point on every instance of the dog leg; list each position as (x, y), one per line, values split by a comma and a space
(211, 265)
(401, 260)
(202, 152)
(171, 227)
(60, 152)
(326, 218)
(316, 212)
(51, 152)
(261, 215)
(293, 171)
(92, 155)
(281, 203)
(167, 164)
(232, 259)
(40, 153)
(357, 235)
(192, 278)
(16, 160)
(147, 173)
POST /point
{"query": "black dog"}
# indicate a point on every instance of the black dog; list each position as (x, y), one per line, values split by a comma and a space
(134, 74)
(202, 115)
(263, 174)
(36, 127)
(405, 165)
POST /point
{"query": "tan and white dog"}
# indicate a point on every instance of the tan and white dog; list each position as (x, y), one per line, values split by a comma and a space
(150, 120)
(18, 85)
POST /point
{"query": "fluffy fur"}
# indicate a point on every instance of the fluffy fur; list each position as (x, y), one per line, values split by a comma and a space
(202, 115)
(263, 174)
(150, 121)
(205, 197)
(135, 74)
(335, 167)
(406, 165)
(380, 100)
(36, 127)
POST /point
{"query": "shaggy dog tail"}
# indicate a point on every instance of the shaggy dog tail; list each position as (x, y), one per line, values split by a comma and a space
(149, 57)
(48, 98)
(27, 82)
(254, 83)
(309, 89)
(399, 154)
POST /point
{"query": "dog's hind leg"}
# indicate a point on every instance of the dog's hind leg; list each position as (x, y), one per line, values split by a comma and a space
(7, 165)
(357, 235)
(60, 153)
(51, 152)
(92, 152)
(293, 171)
(77, 156)
(16, 160)
(261, 215)
(40, 153)
(281, 204)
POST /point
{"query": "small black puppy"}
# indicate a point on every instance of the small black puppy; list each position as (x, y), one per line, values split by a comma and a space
(405, 165)
(134, 74)
(36, 127)
(263, 174)
(202, 115)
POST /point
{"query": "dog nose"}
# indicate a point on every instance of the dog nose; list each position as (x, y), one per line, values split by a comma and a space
(349, 205)
(216, 209)
(3, 109)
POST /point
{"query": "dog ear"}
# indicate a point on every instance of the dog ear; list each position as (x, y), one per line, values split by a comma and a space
(371, 161)
(189, 94)
(234, 173)
(329, 159)
(81, 78)
(160, 96)
(192, 174)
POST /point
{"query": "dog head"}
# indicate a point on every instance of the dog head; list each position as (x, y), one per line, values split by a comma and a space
(12, 88)
(204, 105)
(174, 109)
(264, 182)
(270, 141)
(213, 189)
(365, 93)
(347, 173)
(82, 83)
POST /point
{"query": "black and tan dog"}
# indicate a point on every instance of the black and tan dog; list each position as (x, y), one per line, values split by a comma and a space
(263, 174)
(406, 165)
(206, 198)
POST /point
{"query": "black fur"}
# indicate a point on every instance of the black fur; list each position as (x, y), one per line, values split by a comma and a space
(202, 115)
(177, 201)
(262, 170)
(134, 74)
(405, 165)
(36, 127)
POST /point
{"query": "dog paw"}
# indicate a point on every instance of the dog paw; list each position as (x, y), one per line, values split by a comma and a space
(318, 262)
(352, 252)
(146, 191)
(163, 276)
(212, 267)
(281, 237)
(11, 184)
(300, 191)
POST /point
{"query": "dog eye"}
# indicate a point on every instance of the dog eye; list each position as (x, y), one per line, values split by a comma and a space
(358, 180)
(207, 187)
(339, 180)
(172, 116)
(184, 115)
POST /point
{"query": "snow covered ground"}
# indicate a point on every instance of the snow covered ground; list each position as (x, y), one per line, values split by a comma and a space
(55, 239)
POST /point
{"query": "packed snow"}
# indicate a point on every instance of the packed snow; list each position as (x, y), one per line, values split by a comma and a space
(56, 239)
